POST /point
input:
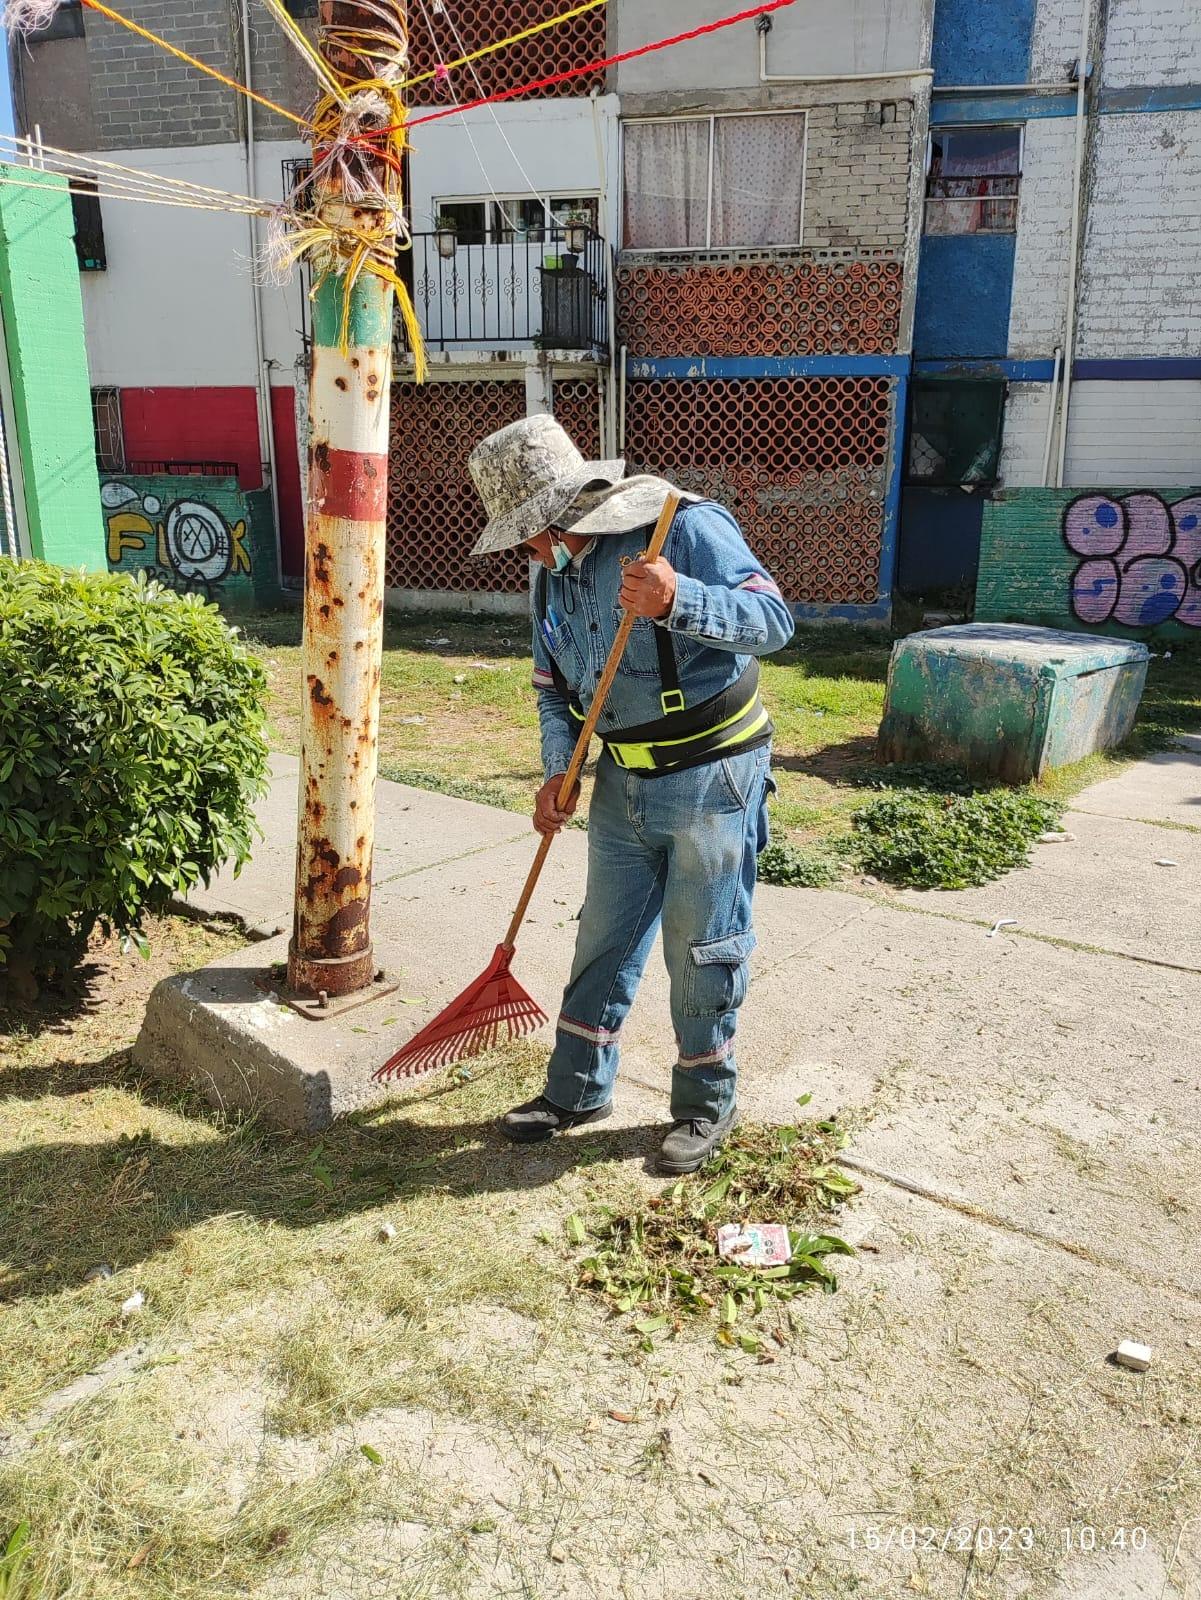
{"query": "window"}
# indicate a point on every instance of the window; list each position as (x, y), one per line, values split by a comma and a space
(954, 432)
(698, 183)
(973, 179)
(66, 23)
(110, 434)
(301, 8)
(89, 228)
(513, 219)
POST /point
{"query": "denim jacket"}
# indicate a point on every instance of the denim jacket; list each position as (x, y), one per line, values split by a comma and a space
(726, 609)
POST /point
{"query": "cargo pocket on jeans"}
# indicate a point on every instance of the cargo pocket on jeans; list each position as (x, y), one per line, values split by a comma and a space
(716, 977)
(763, 822)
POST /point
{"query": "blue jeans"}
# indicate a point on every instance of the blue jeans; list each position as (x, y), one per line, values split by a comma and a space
(679, 850)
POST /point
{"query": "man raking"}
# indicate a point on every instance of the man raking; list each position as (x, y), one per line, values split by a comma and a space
(678, 813)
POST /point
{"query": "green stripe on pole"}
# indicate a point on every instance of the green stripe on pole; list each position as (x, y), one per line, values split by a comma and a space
(370, 321)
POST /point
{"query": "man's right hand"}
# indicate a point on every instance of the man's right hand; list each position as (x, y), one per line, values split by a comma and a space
(547, 816)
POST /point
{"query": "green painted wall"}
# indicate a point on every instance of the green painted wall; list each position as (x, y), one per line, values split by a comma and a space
(51, 425)
(1116, 561)
(198, 535)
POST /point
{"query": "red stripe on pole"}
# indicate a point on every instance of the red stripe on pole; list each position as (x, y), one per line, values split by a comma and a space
(350, 484)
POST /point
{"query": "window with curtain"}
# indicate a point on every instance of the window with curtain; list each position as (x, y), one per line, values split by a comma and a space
(972, 186)
(721, 182)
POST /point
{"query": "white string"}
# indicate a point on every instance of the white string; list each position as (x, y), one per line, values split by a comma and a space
(114, 194)
(69, 161)
(529, 182)
(506, 219)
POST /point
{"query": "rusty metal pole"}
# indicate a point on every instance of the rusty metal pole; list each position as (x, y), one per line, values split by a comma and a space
(349, 394)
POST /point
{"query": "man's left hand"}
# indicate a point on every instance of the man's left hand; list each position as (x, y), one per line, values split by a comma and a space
(648, 588)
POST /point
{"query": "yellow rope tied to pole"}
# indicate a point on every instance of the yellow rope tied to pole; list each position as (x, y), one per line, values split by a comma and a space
(501, 44)
(354, 214)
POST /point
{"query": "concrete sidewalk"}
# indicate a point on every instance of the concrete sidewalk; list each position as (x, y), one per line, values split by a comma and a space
(1025, 1103)
(1047, 1074)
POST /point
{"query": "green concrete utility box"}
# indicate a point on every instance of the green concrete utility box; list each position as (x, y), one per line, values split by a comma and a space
(1008, 701)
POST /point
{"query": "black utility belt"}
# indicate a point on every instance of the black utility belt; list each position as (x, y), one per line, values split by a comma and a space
(730, 723)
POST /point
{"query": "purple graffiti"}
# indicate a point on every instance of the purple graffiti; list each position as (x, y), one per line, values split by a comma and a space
(1140, 559)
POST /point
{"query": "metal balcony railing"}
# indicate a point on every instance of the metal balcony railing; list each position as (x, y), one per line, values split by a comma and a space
(511, 293)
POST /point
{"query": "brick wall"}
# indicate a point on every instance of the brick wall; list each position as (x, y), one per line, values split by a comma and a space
(142, 96)
(1107, 560)
(857, 175)
(1040, 275)
(1139, 294)
(1152, 42)
(1056, 41)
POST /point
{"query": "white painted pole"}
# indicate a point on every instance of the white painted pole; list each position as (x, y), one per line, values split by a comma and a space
(1069, 332)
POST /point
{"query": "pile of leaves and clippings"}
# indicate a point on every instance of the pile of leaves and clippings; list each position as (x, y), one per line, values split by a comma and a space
(660, 1262)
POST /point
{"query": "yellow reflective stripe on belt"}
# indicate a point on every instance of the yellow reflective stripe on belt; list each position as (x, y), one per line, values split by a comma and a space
(745, 733)
(642, 755)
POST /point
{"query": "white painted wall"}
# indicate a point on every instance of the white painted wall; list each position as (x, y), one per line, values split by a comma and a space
(1119, 433)
(1140, 284)
(1040, 274)
(1024, 440)
(1138, 433)
(1152, 42)
(174, 306)
(810, 37)
(553, 148)
(1056, 41)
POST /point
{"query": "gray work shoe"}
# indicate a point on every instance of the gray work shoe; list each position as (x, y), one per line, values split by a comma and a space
(693, 1140)
(541, 1119)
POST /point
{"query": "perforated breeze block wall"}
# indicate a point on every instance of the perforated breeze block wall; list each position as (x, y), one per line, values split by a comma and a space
(434, 513)
(756, 308)
(801, 464)
(569, 44)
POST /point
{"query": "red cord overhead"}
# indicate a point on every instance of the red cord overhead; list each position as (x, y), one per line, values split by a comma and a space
(591, 66)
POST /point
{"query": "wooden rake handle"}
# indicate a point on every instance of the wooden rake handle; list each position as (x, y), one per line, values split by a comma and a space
(580, 754)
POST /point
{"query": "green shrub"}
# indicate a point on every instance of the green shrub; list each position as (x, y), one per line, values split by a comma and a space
(795, 867)
(948, 840)
(131, 751)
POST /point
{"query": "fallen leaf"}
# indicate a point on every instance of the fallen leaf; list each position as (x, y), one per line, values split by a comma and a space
(622, 1416)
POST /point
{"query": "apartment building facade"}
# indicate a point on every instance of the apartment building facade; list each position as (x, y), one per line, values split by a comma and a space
(736, 311)
(857, 274)
(1058, 326)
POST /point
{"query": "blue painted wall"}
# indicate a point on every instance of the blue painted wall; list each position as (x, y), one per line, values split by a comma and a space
(982, 43)
(964, 290)
(940, 540)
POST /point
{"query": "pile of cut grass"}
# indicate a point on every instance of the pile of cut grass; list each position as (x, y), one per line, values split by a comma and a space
(659, 1259)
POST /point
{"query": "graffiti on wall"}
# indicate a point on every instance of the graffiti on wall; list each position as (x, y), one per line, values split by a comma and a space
(1140, 559)
(189, 546)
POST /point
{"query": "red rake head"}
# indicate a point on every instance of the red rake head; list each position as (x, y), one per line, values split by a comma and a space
(495, 1006)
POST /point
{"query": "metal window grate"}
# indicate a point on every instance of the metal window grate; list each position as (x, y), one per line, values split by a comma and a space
(184, 469)
(109, 430)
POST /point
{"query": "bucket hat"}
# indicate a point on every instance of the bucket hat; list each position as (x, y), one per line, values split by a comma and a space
(529, 475)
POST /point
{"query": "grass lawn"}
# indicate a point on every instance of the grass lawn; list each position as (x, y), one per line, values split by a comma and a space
(311, 1405)
(458, 713)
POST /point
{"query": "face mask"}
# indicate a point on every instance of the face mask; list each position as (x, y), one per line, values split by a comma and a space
(561, 554)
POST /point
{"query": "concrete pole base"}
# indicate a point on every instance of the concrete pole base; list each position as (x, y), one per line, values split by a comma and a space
(220, 1032)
